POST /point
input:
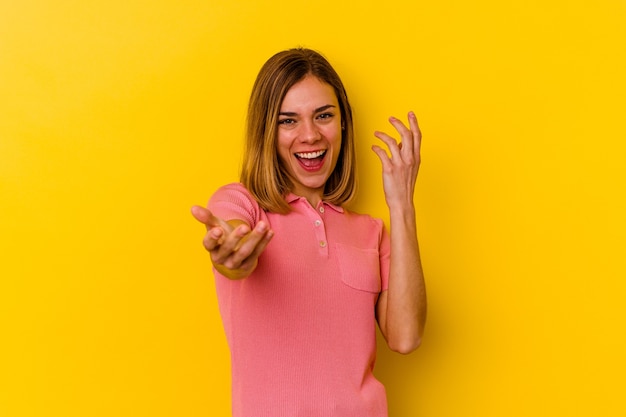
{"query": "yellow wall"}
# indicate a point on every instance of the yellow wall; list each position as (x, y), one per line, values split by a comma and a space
(117, 116)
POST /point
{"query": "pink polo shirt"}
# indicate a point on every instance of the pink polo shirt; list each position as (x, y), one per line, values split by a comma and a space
(302, 328)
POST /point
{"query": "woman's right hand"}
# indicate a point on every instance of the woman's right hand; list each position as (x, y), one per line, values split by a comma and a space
(234, 248)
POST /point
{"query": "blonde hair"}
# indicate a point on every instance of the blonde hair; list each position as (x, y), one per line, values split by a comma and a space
(262, 172)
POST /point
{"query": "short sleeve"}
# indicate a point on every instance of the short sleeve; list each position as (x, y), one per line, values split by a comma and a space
(234, 201)
(385, 256)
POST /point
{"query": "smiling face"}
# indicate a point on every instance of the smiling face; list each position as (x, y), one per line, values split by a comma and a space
(309, 136)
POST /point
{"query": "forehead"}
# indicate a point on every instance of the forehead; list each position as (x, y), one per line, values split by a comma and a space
(309, 93)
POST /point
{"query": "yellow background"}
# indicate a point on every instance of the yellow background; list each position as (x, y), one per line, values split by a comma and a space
(117, 116)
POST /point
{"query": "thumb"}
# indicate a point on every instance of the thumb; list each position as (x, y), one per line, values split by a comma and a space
(203, 215)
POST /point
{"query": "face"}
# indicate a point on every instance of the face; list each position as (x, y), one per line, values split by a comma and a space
(309, 136)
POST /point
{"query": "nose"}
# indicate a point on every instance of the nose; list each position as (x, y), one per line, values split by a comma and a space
(309, 132)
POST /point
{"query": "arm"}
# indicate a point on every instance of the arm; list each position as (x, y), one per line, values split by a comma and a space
(401, 309)
(234, 247)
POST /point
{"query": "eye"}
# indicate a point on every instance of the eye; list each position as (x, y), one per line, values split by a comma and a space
(325, 116)
(286, 121)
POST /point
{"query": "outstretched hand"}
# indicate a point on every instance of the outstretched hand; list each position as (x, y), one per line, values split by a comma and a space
(400, 169)
(233, 246)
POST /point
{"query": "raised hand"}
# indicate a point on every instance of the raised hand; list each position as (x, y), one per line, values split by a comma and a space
(400, 169)
(233, 246)
(401, 310)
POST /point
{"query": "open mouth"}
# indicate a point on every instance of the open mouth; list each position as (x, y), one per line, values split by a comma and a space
(311, 160)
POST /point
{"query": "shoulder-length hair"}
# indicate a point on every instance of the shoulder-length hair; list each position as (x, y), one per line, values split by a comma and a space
(262, 172)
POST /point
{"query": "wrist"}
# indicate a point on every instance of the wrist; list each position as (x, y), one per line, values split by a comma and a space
(406, 209)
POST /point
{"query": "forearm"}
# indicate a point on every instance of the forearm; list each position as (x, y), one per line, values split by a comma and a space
(405, 314)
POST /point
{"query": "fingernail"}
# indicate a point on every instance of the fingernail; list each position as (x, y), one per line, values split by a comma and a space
(261, 227)
(216, 233)
(411, 114)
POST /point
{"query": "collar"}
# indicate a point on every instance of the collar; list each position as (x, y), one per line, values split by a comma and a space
(291, 197)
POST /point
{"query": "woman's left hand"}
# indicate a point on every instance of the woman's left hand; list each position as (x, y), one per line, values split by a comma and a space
(400, 170)
(401, 309)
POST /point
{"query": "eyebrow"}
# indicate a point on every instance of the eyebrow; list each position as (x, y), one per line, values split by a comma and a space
(319, 109)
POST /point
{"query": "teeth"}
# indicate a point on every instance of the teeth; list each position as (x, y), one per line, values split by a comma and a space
(310, 155)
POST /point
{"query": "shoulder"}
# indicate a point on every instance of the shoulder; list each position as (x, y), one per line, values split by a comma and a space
(363, 227)
(364, 219)
(361, 231)
(232, 191)
(234, 201)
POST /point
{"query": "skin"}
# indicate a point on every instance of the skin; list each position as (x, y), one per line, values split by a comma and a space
(310, 121)
(401, 310)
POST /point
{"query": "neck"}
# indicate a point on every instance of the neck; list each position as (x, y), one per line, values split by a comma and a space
(312, 196)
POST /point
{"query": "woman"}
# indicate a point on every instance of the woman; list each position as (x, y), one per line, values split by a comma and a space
(301, 281)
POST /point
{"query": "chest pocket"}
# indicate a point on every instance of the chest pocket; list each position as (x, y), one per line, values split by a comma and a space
(359, 268)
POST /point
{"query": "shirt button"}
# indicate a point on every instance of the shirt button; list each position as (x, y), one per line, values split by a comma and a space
(322, 243)
(317, 222)
(321, 209)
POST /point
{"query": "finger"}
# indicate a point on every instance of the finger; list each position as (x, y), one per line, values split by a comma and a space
(228, 244)
(417, 133)
(405, 134)
(200, 213)
(247, 263)
(384, 158)
(252, 237)
(213, 238)
(391, 143)
(204, 216)
(262, 244)
(250, 244)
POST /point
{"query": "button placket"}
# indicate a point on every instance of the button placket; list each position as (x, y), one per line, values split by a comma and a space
(320, 231)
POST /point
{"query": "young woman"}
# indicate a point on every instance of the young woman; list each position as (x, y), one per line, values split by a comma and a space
(302, 281)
